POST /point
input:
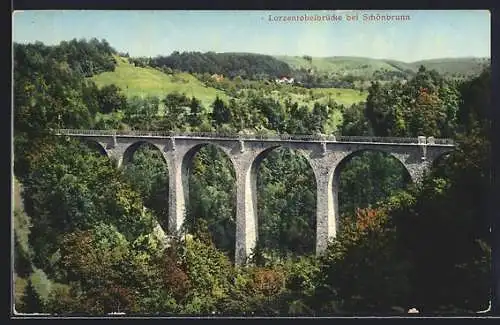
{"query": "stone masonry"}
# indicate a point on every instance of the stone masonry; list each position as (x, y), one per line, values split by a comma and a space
(326, 158)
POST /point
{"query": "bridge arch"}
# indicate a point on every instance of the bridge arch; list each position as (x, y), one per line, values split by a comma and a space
(188, 156)
(281, 227)
(203, 186)
(441, 158)
(380, 171)
(359, 152)
(440, 165)
(148, 172)
(95, 145)
(131, 149)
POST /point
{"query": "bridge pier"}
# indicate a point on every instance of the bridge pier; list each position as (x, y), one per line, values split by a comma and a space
(327, 213)
(415, 162)
(324, 164)
(417, 170)
(246, 214)
(116, 152)
(246, 163)
(177, 191)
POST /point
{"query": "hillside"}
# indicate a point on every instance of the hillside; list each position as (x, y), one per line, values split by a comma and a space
(143, 81)
(137, 81)
(359, 66)
(450, 66)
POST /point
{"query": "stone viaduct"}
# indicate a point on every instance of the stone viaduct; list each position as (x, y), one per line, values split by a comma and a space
(325, 154)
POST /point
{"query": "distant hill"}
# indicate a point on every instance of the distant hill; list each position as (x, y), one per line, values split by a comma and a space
(449, 66)
(361, 66)
(358, 66)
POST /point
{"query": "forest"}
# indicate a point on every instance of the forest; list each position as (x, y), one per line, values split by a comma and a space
(246, 65)
(90, 237)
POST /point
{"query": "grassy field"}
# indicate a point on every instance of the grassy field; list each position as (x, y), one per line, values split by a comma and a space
(342, 96)
(308, 97)
(136, 81)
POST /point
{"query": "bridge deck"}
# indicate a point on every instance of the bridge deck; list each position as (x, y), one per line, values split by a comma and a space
(257, 137)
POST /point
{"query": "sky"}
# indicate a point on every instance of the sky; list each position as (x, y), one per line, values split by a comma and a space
(427, 34)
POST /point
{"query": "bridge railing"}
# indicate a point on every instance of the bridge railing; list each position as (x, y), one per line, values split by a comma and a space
(444, 141)
(84, 132)
(138, 133)
(278, 137)
(344, 138)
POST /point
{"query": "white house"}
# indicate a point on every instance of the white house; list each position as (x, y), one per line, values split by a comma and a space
(285, 80)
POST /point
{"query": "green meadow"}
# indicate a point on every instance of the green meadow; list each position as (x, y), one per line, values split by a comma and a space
(137, 81)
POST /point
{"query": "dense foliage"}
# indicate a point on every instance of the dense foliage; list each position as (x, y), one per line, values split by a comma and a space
(90, 238)
(427, 104)
(245, 65)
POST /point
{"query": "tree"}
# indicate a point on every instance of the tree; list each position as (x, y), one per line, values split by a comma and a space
(220, 112)
(298, 118)
(457, 244)
(425, 105)
(287, 213)
(210, 275)
(23, 252)
(379, 109)
(91, 256)
(380, 174)
(476, 101)
(70, 189)
(196, 113)
(354, 122)
(362, 271)
(268, 109)
(110, 273)
(91, 94)
(148, 174)
(426, 117)
(47, 95)
(177, 108)
(318, 118)
(212, 197)
(111, 99)
(140, 113)
(45, 83)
